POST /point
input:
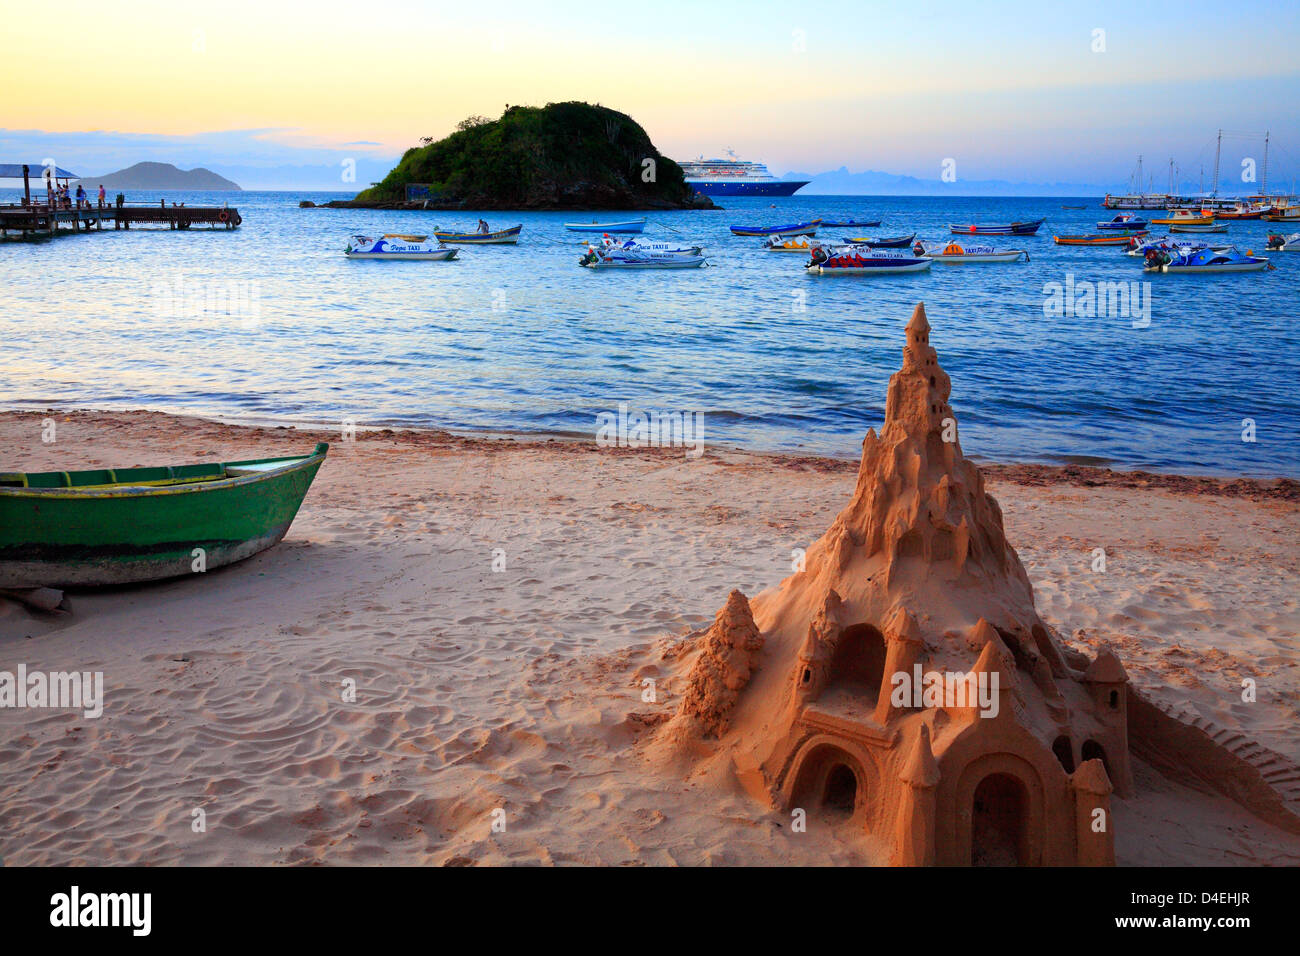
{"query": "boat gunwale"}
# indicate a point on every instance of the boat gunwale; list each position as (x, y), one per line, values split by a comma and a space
(199, 484)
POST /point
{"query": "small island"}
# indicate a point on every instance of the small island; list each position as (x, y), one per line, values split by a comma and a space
(561, 156)
(161, 176)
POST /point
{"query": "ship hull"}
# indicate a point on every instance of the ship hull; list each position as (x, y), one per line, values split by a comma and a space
(778, 188)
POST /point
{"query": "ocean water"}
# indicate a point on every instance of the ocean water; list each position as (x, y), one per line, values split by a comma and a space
(521, 339)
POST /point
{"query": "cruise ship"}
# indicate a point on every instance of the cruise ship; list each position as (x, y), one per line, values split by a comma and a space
(735, 177)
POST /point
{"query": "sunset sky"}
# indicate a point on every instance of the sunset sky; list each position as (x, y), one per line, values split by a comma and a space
(1009, 90)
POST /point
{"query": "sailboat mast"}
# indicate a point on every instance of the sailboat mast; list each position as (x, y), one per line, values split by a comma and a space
(1217, 150)
(1264, 184)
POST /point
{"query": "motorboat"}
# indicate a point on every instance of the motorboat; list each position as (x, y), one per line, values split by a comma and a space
(1124, 222)
(790, 229)
(629, 225)
(398, 246)
(1204, 260)
(1009, 229)
(830, 261)
(953, 253)
(1289, 243)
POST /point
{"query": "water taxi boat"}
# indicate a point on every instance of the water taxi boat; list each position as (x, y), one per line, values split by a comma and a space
(396, 246)
(1203, 260)
(850, 223)
(1009, 229)
(126, 525)
(603, 258)
(1140, 247)
(661, 246)
(1289, 243)
(953, 253)
(630, 225)
(1197, 227)
(1124, 222)
(893, 242)
(862, 262)
(501, 237)
(791, 229)
(1102, 239)
(793, 244)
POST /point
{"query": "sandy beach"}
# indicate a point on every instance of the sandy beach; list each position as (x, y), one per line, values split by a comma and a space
(500, 605)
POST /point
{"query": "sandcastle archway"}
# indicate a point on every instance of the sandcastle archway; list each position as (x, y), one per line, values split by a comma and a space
(1064, 751)
(830, 781)
(1000, 822)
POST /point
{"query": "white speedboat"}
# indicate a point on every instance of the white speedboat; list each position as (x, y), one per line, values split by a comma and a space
(397, 246)
(862, 261)
(657, 246)
(605, 258)
(953, 253)
(1204, 260)
(1289, 243)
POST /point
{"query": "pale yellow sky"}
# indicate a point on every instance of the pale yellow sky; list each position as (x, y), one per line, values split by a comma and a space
(777, 81)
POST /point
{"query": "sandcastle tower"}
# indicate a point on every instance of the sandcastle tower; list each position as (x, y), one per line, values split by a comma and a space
(903, 682)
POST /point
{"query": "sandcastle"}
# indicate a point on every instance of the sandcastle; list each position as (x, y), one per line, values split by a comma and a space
(903, 683)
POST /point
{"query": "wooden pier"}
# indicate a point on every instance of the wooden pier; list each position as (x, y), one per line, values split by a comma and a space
(38, 219)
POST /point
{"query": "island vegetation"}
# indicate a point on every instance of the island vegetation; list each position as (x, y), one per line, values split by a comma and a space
(560, 156)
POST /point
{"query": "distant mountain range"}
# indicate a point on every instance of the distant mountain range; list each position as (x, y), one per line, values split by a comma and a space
(160, 176)
(841, 182)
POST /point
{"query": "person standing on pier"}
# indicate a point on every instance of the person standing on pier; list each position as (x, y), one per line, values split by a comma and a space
(102, 195)
(81, 196)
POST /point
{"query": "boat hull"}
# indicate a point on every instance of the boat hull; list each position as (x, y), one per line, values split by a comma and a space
(113, 534)
(849, 224)
(778, 232)
(1227, 267)
(674, 262)
(781, 187)
(1011, 229)
(437, 255)
(1185, 227)
(634, 225)
(1115, 240)
(499, 238)
(870, 270)
(894, 242)
(979, 257)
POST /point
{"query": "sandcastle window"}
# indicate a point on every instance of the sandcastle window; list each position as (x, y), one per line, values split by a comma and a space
(999, 832)
(807, 675)
(932, 383)
(859, 660)
(1064, 753)
(1114, 700)
(1092, 750)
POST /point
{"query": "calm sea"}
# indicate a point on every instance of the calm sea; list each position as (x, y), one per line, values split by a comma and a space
(271, 322)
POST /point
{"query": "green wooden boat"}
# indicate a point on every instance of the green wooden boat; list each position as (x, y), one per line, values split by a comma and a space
(123, 525)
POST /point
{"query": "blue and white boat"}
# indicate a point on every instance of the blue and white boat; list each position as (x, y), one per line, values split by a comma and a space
(1124, 222)
(397, 246)
(850, 223)
(1009, 229)
(605, 257)
(861, 261)
(790, 229)
(1139, 246)
(630, 225)
(1203, 260)
(661, 246)
(735, 177)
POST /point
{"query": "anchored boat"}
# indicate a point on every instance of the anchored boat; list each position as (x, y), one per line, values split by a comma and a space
(499, 238)
(1186, 217)
(1124, 222)
(953, 253)
(1203, 260)
(1101, 239)
(894, 242)
(1009, 229)
(850, 223)
(124, 525)
(394, 246)
(630, 225)
(1289, 243)
(793, 244)
(792, 229)
(649, 246)
(616, 258)
(1198, 227)
(1140, 247)
(848, 261)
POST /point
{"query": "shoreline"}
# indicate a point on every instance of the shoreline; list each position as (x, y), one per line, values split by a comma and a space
(1028, 473)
